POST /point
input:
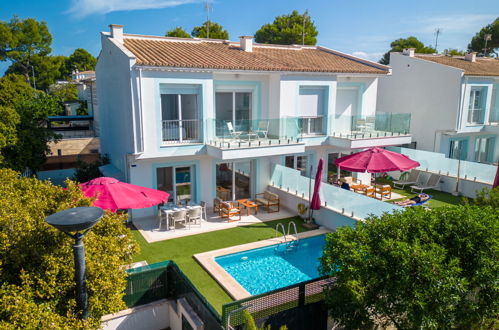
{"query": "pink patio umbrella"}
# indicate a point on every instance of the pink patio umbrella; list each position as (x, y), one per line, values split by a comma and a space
(315, 204)
(496, 180)
(376, 160)
(113, 194)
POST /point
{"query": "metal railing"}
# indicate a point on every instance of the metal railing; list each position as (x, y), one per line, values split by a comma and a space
(181, 131)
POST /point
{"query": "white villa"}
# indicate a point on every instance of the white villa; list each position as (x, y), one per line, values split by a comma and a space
(201, 118)
(453, 102)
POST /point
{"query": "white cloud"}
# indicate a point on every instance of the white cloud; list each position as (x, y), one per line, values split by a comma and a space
(464, 23)
(81, 8)
(368, 56)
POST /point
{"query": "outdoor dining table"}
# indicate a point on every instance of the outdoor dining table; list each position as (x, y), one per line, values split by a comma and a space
(168, 210)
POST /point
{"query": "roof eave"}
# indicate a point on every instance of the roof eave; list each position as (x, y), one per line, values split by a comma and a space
(214, 70)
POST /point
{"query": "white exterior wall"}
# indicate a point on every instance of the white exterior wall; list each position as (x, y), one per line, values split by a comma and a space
(430, 92)
(368, 87)
(114, 93)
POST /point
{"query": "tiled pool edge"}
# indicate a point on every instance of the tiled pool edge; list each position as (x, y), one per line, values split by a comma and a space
(226, 281)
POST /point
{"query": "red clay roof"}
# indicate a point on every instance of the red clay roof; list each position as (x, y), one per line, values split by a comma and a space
(208, 54)
(482, 66)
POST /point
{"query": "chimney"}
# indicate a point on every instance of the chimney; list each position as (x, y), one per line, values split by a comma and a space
(470, 57)
(117, 32)
(409, 52)
(246, 43)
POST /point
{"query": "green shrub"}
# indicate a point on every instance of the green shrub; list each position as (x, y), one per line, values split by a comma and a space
(37, 289)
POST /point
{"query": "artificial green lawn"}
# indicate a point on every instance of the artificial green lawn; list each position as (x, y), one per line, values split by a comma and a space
(439, 198)
(181, 251)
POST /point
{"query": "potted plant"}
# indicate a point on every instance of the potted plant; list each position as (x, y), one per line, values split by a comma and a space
(302, 211)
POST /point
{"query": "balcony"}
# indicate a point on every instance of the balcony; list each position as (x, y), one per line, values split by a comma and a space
(182, 131)
(363, 131)
(263, 137)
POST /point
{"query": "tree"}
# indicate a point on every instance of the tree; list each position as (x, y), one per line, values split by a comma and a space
(178, 32)
(37, 289)
(416, 269)
(46, 70)
(216, 31)
(477, 43)
(80, 60)
(288, 30)
(400, 44)
(23, 39)
(88, 171)
(453, 52)
(64, 92)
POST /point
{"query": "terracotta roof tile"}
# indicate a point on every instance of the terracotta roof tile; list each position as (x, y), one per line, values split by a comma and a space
(156, 51)
(482, 66)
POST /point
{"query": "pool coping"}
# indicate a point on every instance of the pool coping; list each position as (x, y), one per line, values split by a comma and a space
(224, 279)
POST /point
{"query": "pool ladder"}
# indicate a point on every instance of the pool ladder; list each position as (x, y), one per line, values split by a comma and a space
(286, 246)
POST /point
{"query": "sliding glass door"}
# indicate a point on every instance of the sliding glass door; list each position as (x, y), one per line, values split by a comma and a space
(176, 181)
(234, 180)
(234, 108)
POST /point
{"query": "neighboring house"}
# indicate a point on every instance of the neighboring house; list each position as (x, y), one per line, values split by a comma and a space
(80, 133)
(453, 102)
(203, 118)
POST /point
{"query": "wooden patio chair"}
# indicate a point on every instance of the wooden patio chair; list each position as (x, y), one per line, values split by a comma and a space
(383, 191)
(229, 212)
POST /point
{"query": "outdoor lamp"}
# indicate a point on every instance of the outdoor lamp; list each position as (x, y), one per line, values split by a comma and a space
(78, 221)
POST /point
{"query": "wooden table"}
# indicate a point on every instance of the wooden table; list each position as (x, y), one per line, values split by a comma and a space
(249, 205)
(359, 187)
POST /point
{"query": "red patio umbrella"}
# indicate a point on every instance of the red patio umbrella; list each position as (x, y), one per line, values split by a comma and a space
(376, 160)
(315, 204)
(113, 194)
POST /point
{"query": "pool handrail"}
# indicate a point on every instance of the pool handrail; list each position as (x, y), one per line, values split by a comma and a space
(280, 225)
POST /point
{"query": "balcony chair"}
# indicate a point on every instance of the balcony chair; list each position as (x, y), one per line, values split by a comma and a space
(411, 179)
(235, 135)
(263, 128)
(269, 200)
(229, 212)
(433, 182)
(194, 216)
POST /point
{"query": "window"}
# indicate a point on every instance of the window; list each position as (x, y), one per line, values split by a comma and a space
(179, 115)
(312, 104)
(476, 106)
(458, 149)
(234, 107)
(233, 180)
(484, 149)
(176, 181)
(494, 109)
(298, 163)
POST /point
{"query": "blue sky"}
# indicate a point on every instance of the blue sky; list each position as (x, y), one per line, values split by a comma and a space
(363, 28)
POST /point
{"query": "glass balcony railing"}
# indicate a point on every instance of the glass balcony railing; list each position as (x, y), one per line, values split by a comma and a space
(380, 124)
(252, 133)
(438, 163)
(341, 200)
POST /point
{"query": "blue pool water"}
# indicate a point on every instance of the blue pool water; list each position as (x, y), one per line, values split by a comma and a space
(273, 267)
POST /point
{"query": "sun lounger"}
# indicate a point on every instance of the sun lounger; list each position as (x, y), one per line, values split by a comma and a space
(412, 179)
(433, 182)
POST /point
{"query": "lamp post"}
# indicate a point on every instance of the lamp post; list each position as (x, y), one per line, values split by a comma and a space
(77, 220)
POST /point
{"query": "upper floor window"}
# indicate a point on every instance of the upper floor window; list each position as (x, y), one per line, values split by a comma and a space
(494, 109)
(476, 105)
(312, 110)
(180, 117)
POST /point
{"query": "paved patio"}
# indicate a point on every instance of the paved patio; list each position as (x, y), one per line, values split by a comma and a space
(149, 226)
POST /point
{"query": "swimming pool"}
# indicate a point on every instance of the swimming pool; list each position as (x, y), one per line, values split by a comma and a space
(275, 266)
